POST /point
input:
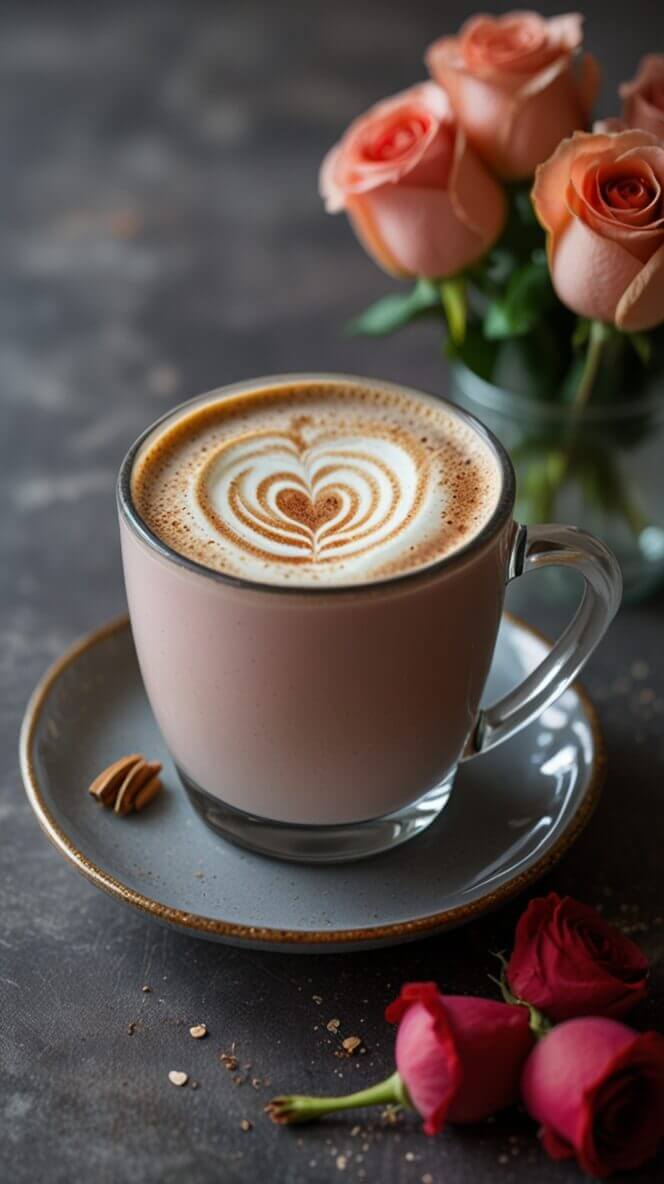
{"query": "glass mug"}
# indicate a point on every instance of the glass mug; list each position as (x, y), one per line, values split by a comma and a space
(327, 723)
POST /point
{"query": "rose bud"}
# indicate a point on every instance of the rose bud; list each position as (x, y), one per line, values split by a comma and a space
(458, 1058)
(643, 97)
(419, 200)
(597, 1088)
(518, 84)
(567, 961)
(600, 199)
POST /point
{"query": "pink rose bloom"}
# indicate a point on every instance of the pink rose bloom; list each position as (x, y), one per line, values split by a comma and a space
(460, 1058)
(597, 1088)
(419, 200)
(567, 961)
(518, 85)
(643, 97)
(600, 198)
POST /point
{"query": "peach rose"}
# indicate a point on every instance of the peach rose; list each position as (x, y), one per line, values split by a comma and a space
(643, 97)
(419, 200)
(518, 84)
(601, 200)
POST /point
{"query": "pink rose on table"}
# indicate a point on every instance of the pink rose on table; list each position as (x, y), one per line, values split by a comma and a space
(460, 1058)
(518, 85)
(643, 97)
(600, 198)
(597, 1088)
(567, 961)
(419, 200)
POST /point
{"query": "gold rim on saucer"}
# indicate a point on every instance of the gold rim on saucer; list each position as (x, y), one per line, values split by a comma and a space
(195, 923)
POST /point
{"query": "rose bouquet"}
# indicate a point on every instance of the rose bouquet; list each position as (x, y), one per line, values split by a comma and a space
(539, 246)
(594, 1085)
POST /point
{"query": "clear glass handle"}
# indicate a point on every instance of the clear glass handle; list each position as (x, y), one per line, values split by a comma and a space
(536, 547)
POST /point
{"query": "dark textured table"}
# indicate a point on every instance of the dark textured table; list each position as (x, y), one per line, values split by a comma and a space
(161, 234)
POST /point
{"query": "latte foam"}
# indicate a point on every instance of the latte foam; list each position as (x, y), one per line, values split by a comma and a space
(314, 483)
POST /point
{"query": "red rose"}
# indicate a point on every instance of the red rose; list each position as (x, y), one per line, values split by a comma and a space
(460, 1058)
(597, 1088)
(568, 962)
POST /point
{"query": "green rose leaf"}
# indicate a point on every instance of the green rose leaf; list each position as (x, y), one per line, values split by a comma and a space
(529, 293)
(396, 310)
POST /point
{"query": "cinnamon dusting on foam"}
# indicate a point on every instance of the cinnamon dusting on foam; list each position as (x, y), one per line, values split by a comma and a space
(316, 483)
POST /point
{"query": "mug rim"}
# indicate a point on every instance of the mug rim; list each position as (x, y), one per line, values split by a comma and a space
(492, 527)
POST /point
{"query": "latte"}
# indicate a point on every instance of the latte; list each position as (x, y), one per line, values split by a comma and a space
(314, 483)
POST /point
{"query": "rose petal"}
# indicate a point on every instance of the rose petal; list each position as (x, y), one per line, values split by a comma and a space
(590, 272)
(651, 70)
(639, 109)
(347, 168)
(544, 78)
(567, 30)
(543, 113)
(517, 43)
(632, 138)
(642, 305)
(562, 1071)
(445, 1044)
(478, 201)
(426, 1054)
(567, 961)
(433, 169)
(403, 174)
(597, 1087)
(645, 211)
(328, 186)
(641, 1061)
(549, 192)
(513, 130)
(571, 159)
(360, 172)
(484, 112)
(422, 228)
(363, 222)
(644, 115)
(608, 224)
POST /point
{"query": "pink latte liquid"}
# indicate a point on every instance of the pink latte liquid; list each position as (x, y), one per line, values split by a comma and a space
(351, 702)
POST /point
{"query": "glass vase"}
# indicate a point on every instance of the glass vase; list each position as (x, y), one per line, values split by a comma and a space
(599, 467)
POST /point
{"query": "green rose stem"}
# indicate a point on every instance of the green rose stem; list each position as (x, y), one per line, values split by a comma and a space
(598, 336)
(557, 467)
(569, 460)
(299, 1108)
(454, 296)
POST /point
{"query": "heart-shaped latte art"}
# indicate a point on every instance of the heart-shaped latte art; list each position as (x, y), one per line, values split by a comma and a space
(296, 500)
(312, 513)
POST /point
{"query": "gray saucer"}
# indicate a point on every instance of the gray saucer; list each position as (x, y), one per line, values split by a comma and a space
(512, 814)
